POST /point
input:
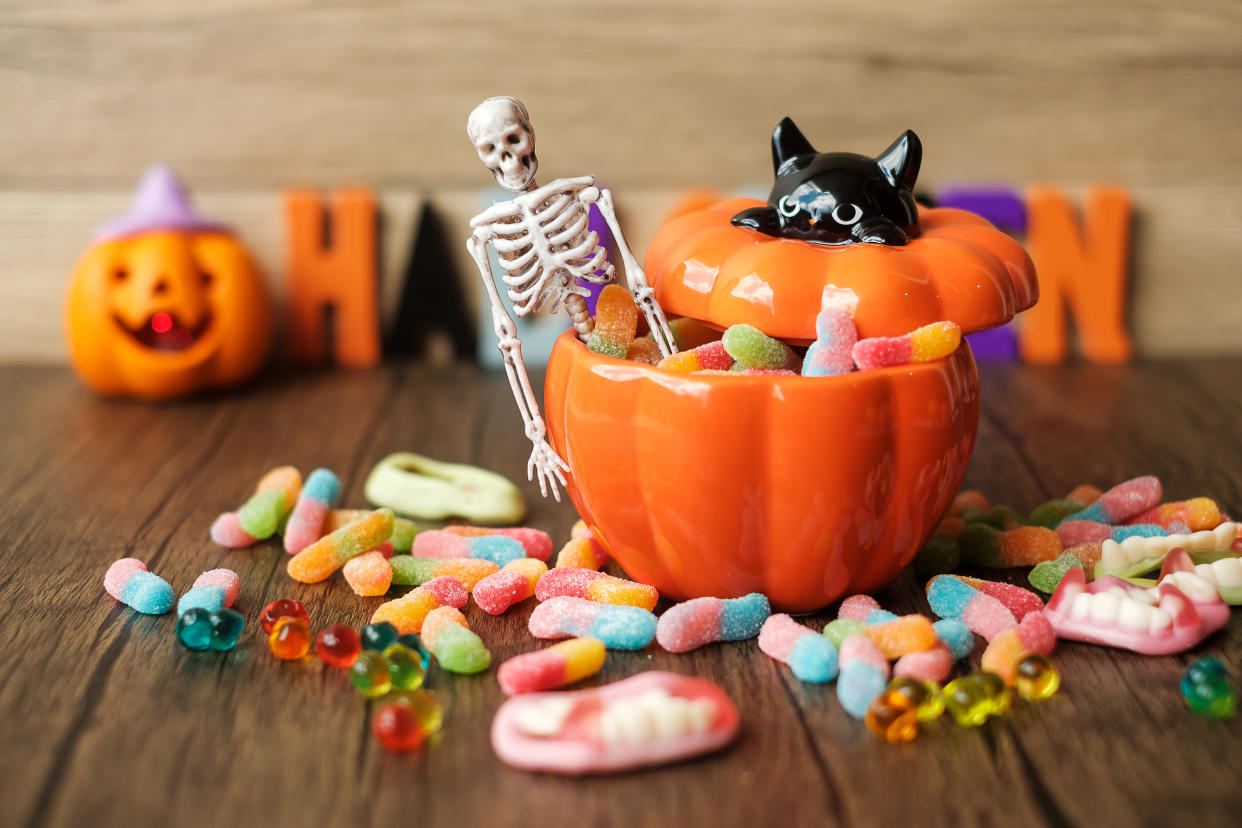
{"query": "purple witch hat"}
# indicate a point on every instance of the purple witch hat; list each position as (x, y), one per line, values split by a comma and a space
(160, 203)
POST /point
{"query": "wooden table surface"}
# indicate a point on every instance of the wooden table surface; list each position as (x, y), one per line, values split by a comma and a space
(108, 721)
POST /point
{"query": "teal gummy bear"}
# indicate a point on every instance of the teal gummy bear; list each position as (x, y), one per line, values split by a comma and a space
(194, 629)
(226, 628)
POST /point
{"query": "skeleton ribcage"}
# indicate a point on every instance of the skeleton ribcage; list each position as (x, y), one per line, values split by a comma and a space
(545, 244)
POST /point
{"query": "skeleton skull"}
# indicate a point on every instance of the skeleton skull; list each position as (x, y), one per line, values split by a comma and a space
(500, 130)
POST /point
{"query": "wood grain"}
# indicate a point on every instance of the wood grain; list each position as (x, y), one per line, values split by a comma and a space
(109, 722)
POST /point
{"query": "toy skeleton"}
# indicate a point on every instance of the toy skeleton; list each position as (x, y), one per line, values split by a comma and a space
(544, 245)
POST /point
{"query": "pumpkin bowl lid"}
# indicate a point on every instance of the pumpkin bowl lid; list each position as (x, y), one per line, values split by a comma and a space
(958, 267)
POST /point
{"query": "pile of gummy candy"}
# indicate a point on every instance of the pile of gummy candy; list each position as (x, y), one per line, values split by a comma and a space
(889, 669)
(744, 349)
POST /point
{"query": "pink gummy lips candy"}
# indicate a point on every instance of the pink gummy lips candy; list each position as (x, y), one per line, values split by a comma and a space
(652, 718)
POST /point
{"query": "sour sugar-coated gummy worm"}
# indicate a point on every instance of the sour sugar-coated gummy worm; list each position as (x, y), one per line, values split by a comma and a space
(328, 554)
(408, 612)
(408, 570)
(864, 674)
(128, 581)
(453, 643)
(514, 583)
(440, 543)
(557, 666)
(213, 590)
(272, 500)
(535, 542)
(318, 496)
(595, 586)
(619, 627)
(811, 657)
(692, 624)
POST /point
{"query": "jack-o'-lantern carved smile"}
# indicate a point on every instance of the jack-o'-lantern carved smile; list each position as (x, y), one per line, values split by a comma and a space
(163, 332)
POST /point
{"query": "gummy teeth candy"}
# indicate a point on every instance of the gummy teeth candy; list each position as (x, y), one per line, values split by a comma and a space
(652, 718)
(1136, 555)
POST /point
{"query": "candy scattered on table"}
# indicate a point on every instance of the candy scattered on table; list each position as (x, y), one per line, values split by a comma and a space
(405, 666)
(403, 724)
(840, 629)
(128, 581)
(1123, 501)
(619, 627)
(951, 597)
(282, 608)
(558, 665)
(305, 526)
(933, 664)
(891, 716)
(811, 657)
(1195, 515)
(514, 583)
(290, 638)
(378, 636)
(441, 543)
(408, 570)
(205, 629)
(535, 542)
(1045, 576)
(972, 699)
(1036, 678)
(616, 322)
(1136, 555)
(455, 646)
(1207, 690)
(864, 674)
(338, 646)
(695, 623)
(907, 634)
(582, 551)
(212, 590)
(1033, 635)
(649, 719)
(328, 554)
(595, 586)
(369, 575)
(271, 502)
(925, 697)
(985, 545)
(227, 531)
(370, 675)
(408, 612)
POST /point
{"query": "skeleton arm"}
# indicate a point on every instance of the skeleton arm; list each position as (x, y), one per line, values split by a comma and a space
(634, 276)
(543, 459)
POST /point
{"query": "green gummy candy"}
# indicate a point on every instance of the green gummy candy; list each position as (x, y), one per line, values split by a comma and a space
(262, 513)
(841, 629)
(1049, 515)
(1002, 516)
(973, 514)
(939, 555)
(1047, 575)
(408, 570)
(608, 346)
(403, 532)
(755, 349)
(459, 650)
(979, 545)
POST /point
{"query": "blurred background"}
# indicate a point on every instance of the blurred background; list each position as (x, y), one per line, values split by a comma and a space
(246, 99)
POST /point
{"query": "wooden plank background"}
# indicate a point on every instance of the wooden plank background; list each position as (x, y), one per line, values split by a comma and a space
(247, 98)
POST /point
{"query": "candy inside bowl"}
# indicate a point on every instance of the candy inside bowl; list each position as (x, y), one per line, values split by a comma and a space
(803, 488)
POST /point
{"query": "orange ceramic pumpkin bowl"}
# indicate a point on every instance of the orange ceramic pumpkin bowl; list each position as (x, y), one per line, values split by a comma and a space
(127, 293)
(803, 488)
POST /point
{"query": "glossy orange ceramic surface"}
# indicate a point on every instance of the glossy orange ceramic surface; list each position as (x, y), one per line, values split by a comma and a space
(126, 291)
(958, 268)
(806, 489)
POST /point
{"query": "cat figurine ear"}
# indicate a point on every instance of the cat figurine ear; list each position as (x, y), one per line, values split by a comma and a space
(789, 143)
(901, 161)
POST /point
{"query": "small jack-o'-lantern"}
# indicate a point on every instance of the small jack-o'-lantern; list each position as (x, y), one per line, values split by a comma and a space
(803, 488)
(165, 302)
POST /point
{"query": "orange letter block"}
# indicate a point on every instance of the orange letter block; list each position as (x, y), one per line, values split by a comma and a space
(340, 274)
(1082, 268)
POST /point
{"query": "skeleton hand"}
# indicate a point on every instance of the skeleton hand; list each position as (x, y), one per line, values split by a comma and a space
(550, 466)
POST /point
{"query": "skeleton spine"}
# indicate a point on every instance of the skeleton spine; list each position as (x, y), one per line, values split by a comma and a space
(576, 306)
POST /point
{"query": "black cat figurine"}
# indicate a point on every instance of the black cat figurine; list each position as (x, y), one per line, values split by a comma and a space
(838, 197)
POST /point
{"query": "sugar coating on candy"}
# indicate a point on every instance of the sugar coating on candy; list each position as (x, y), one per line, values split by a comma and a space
(1005, 518)
(811, 657)
(692, 624)
(1053, 512)
(227, 531)
(408, 612)
(437, 618)
(835, 334)
(557, 666)
(1195, 515)
(863, 674)
(535, 542)
(858, 608)
(1124, 501)
(582, 553)
(950, 597)
(645, 350)
(128, 581)
(262, 513)
(403, 532)
(616, 322)
(1045, 576)
(1021, 602)
(595, 586)
(456, 647)
(448, 589)
(408, 570)
(305, 525)
(1138, 530)
(710, 357)
(619, 627)
(511, 585)
(907, 634)
(882, 352)
(328, 554)
(956, 636)
(933, 664)
(369, 575)
(285, 479)
(1084, 493)
(755, 349)
(441, 543)
(1075, 531)
(1034, 635)
(842, 628)
(985, 545)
